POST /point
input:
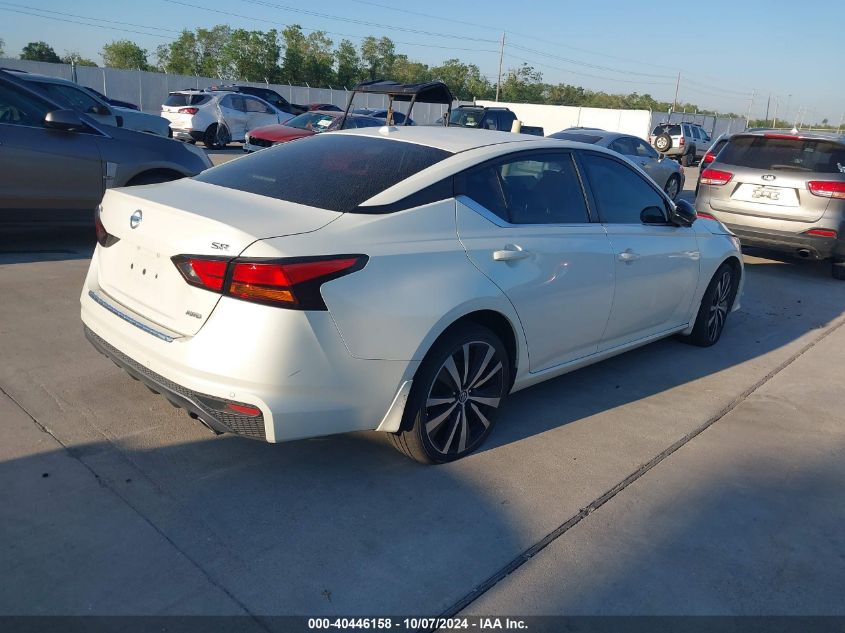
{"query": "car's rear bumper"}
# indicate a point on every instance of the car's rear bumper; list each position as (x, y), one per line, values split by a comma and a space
(291, 365)
(186, 134)
(811, 246)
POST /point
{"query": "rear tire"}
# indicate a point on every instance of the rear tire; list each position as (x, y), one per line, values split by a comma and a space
(837, 269)
(715, 307)
(456, 394)
(673, 186)
(153, 177)
(688, 158)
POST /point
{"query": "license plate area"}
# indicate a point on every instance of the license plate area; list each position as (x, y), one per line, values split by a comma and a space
(766, 194)
(144, 267)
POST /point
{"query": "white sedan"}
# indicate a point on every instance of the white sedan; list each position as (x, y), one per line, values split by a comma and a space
(398, 279)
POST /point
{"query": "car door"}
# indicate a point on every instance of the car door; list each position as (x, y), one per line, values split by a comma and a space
(656, 263)
(233, 112)
(649, 160)
(704, 143)
(44, 168)
(524, 223)
(258, 113)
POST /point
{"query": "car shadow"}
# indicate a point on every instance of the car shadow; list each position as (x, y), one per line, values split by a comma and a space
(45, 242)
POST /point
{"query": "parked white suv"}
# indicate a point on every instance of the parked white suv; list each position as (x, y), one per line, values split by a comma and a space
(217, 117)
(686, 142)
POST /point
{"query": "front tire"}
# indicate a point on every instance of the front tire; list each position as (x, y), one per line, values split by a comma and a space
(715, 307)
(456, 394)
(216, 136)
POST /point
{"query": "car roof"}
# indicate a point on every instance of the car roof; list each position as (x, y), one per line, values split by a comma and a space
(821, 136)
(450, 139)
(25, 76)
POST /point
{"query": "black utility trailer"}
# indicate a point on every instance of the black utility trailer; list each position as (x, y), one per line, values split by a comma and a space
(428, 92)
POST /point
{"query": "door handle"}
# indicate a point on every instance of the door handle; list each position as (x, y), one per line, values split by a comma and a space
(628, 256)
(510, 253)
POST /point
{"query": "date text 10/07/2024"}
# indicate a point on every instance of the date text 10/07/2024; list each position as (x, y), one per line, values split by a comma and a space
(477, 623)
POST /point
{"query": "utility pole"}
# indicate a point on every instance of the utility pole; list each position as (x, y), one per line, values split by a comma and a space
(677, 86)
(775, 117)
(501, 57)
(786, 112)
(750, 105)
(841, 121)
(768, 103)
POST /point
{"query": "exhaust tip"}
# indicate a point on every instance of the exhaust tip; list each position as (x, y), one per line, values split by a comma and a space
(804, 253)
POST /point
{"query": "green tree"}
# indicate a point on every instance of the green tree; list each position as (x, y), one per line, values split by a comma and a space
(252, 56)
(74, 57)
(407, 71)
(40, 52)
(181, 56)
(293, 60)
(464, 80)
(210, 45)
(125, 54)
(319, 60)
(378, 56)
(524, 85)
(348, 64)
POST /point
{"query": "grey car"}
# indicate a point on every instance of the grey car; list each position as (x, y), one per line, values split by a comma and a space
(667, 173)
(57, 163)
(781, 191)
(686, 141)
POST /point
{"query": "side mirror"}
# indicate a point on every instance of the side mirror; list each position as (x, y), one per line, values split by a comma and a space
(118, 120)
(684, 213)
(67, 120)
(653, 215)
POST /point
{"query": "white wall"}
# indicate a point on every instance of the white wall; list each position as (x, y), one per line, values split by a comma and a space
(554, 118)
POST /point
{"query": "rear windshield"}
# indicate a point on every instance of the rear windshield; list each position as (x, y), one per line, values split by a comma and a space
(177, 100)
(466, 117)
(771, 154)
(671, 130)
(572, 136)
(329, 171)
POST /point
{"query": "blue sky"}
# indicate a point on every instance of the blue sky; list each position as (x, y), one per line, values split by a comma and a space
(723, 49)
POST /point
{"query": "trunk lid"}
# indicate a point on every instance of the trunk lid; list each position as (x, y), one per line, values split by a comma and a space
(185, 217)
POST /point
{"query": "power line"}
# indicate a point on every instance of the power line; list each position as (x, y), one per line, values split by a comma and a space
(101, 26)
(585, 64)
(86, 17)
(573, 72)
(328, 16)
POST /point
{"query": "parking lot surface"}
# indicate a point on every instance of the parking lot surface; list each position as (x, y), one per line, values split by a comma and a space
(671, 479)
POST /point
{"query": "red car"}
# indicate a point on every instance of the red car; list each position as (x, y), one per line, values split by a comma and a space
(305, 124)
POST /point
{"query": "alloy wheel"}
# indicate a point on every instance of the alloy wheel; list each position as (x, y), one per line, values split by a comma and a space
(719, 305)
(672, 188)
(466, 391)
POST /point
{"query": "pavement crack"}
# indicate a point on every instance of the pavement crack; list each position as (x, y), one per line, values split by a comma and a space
(69, 449)
(526, 555)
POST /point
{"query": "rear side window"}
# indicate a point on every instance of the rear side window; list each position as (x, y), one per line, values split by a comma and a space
(793, 154)
(333, 171)
(671, 130)
(572, 136)
(179, 100)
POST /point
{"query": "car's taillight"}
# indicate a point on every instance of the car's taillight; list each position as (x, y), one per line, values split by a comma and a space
(202, 272)
(821, 232)
(104, 238)
(708, 158)
(827, 189)
(288, 283)
(682, 142)
(715, 177)
(188, 110)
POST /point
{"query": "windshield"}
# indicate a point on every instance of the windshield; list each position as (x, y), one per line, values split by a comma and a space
(465, 117)
(334, 171)
(312, 121)
(779, 153)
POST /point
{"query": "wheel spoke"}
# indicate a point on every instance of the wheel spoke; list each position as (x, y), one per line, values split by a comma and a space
(452, 434)
(466, 365)
(432, 425)
(490, 402)
(482, 418)
(489, 375)
(452, 370)
(462, 442)
(484, 363)
(434, 402)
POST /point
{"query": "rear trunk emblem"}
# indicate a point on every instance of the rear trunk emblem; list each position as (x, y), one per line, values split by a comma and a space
(135, 219)
(769, 177)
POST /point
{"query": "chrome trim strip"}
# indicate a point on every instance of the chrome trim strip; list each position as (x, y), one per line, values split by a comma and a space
(141, 326)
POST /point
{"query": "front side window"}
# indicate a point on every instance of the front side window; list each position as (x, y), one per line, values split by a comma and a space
(540, 189)
(19, 108)
(337, 172)
(72, 98)
(620, 193)
(254, 105)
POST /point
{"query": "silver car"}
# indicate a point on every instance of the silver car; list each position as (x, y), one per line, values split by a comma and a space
(57, 163)
(667, 173)
(686, 141)
(781, 191)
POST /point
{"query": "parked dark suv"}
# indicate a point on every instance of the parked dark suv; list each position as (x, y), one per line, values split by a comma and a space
(270, 96)
(781, 191)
